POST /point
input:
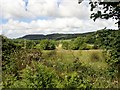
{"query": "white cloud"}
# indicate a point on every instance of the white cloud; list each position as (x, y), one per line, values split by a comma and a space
(15, 28)
(70, 17)
(12, 8)
(49, 8)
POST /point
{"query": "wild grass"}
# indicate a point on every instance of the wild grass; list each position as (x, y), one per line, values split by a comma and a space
(89, 62)
(72, 68)
(93, 58)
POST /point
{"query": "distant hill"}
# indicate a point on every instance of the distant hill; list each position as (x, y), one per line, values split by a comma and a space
(58, 36)
(33, 37)
(53, 36)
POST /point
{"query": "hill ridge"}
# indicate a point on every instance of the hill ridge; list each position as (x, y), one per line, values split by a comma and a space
(54, 36)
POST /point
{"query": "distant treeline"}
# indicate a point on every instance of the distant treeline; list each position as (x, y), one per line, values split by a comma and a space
(83, 41)
(54, 36)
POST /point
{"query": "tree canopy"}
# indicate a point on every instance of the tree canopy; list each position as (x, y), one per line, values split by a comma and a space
(105, 10)
(110, 41)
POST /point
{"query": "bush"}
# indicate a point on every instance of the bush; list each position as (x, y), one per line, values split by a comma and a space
(109, 40)
(73, 80)
(83, 47)
(46, 45)
(37, 77)
(65, 45)
(8, 47)
(76, 43)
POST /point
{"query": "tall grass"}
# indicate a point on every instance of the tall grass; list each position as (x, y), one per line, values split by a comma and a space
(94, 58)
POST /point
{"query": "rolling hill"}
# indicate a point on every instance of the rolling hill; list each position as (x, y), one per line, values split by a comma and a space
(54, 36)
(57, 36)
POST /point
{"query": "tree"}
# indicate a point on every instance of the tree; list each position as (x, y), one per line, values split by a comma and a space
(109, 40)
(78, 44)
(65, 45)
(106, 10)
(46, 45)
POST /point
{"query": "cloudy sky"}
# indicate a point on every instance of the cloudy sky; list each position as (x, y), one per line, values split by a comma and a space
(22, 17)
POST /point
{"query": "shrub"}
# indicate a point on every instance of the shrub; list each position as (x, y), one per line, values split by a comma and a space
(46, 45)
(37, 77)
(83, 47)
(109, 40)
(65, 45)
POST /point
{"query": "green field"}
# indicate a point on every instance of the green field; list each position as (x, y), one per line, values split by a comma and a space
(93, 58)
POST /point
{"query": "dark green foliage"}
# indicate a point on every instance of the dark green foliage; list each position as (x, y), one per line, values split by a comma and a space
(33, 37)
(8, 47)
(65, 45)
(38, 76)
(30, 44)
(26, 44)
(106, 10)
(46, 45)
(18, 60)
(78, 43)
(110, 41)
(54, 36)
(90, 38)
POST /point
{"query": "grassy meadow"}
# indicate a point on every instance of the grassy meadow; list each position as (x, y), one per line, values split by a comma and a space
(93, 58)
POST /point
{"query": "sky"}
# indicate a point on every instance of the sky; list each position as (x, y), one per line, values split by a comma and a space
(22, 17)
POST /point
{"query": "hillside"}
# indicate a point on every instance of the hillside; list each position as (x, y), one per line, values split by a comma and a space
(54, 36)
(57, 36)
